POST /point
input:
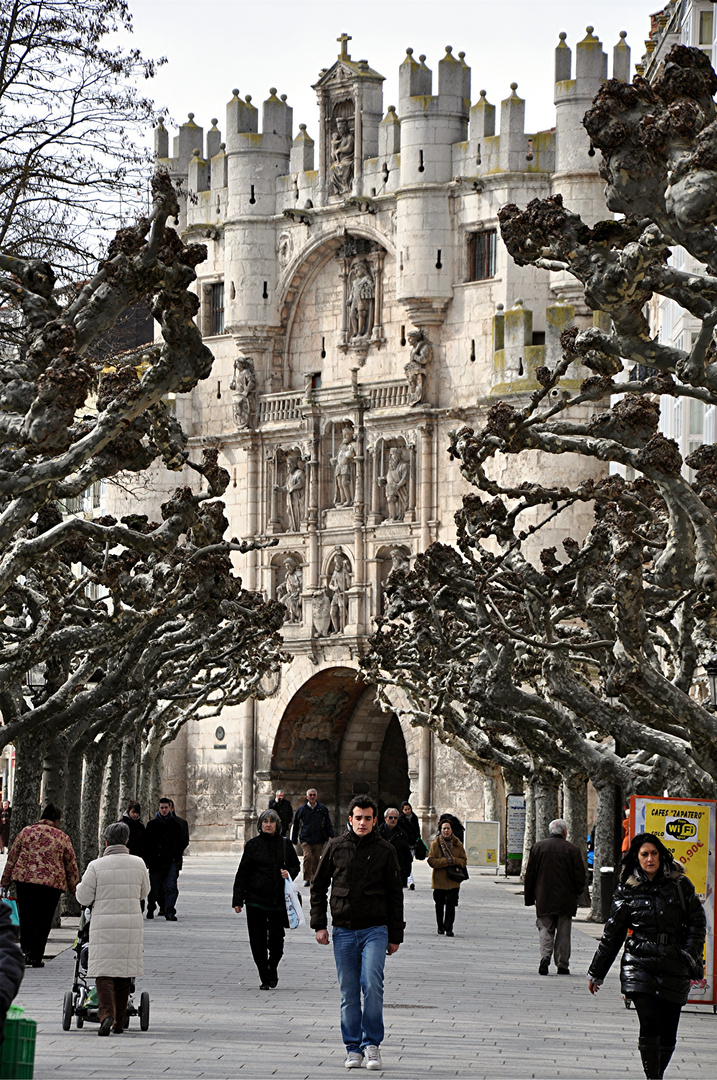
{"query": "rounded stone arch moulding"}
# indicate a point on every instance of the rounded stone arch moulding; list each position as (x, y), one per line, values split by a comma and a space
(308, 261)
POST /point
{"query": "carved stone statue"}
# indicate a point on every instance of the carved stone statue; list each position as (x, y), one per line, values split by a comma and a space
(243, 386)
(339, 585)
(396, 484)
(294, 488)
(360, 300)
(341, 169)
(417, 367)
(288, 592)
(399, 560)
(343, 465)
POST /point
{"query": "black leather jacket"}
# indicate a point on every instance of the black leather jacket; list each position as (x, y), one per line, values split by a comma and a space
(665, 941)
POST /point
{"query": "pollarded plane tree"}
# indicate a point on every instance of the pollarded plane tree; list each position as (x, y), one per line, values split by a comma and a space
(98, 616)
(595, 654)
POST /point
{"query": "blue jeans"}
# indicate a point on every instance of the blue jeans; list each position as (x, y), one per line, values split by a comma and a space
(360, 956)
(166, 877)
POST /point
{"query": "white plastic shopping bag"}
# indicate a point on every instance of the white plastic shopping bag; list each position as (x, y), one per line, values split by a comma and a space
(293, 905)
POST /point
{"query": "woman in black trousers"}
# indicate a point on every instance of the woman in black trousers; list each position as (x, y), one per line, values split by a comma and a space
(268, 859)
(42, 865)
(657, 902)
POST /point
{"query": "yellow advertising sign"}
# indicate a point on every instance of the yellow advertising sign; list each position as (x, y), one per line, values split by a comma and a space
(688, 828)
(684, 830)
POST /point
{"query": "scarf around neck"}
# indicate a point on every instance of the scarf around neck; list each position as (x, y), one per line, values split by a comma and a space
(446, 846)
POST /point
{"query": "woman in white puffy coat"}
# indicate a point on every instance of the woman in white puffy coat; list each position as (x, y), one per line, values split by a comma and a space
(113, 886)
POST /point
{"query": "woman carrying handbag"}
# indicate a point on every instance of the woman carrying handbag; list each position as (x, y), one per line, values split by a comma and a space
(448, 859)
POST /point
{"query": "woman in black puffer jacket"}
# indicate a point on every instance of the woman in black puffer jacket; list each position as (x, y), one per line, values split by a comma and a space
(267, 860)
(657, 902)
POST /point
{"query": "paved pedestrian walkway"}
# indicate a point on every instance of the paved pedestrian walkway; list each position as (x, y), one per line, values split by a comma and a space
(471, 1006)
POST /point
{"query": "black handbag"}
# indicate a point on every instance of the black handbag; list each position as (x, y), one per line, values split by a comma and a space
(457, 873)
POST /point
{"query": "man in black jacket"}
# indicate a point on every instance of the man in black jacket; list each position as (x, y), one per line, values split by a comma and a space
(164, 845)
(312, 826)
(367, 917)
(284, 809)
(554, 881)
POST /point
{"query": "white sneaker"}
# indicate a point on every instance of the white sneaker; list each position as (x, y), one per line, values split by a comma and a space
(354, 1060)
(372, 1057)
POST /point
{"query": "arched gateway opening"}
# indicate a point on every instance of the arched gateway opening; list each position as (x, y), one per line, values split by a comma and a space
(334, 737)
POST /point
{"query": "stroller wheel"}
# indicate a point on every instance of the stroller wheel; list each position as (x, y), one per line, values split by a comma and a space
(126, 1021)
(67, 1011)
(80, 1021)
(143, 1011)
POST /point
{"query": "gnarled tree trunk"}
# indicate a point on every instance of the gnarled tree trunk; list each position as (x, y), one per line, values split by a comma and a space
(29, 752)
(575, 813)
(95, 760)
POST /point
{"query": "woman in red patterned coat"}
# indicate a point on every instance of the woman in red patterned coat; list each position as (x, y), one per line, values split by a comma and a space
(42, 863)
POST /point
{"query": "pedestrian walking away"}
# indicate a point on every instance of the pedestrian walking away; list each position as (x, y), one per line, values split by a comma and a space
(655, 902)
(554, 880)
(367, 916)
(42, 865)
(284, 809)
(5, 819)
(312, 828)
(164, 845)
(447, 858)
(390, 832)
(114, 886)
(268, 860)
(132, 818)
(412, 828)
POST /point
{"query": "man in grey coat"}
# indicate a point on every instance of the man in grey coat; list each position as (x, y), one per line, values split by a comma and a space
(553, 882)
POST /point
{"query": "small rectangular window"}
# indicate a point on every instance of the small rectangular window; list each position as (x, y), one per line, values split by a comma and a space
(481, 255)
(216, 310)
(705, 28)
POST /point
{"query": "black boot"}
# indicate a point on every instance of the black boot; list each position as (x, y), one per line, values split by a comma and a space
(650, 1053)
(440, 909)
(665, 1055)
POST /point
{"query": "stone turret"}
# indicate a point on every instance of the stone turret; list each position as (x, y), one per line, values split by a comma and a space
(430, 125)
(573, 97)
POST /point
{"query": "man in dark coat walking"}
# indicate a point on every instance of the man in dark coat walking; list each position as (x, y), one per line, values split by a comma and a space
(312, 827)
(164, 844)
(367, 925)
(284, 809)
(553, 882)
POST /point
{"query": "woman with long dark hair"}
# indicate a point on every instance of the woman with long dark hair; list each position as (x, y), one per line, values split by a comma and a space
(657, 902)
(268, 859)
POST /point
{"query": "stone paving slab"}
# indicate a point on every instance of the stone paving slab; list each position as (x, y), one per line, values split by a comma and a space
(471, 1006)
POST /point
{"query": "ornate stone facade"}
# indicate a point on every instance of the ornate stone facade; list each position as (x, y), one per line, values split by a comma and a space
(378, 309)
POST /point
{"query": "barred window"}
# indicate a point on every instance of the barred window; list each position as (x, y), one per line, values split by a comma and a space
(216, 309)
(481, 255)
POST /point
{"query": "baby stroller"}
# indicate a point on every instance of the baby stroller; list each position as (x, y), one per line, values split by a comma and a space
(81, 1001)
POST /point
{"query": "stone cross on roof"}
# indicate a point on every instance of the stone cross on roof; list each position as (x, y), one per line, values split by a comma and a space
(343, 40)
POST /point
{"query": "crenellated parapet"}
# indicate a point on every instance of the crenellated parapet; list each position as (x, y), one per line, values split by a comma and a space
(518, 352)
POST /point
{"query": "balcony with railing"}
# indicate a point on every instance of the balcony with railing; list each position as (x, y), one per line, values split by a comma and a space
(288, 406)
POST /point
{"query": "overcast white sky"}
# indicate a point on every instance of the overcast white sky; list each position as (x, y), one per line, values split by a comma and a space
(216, 45)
